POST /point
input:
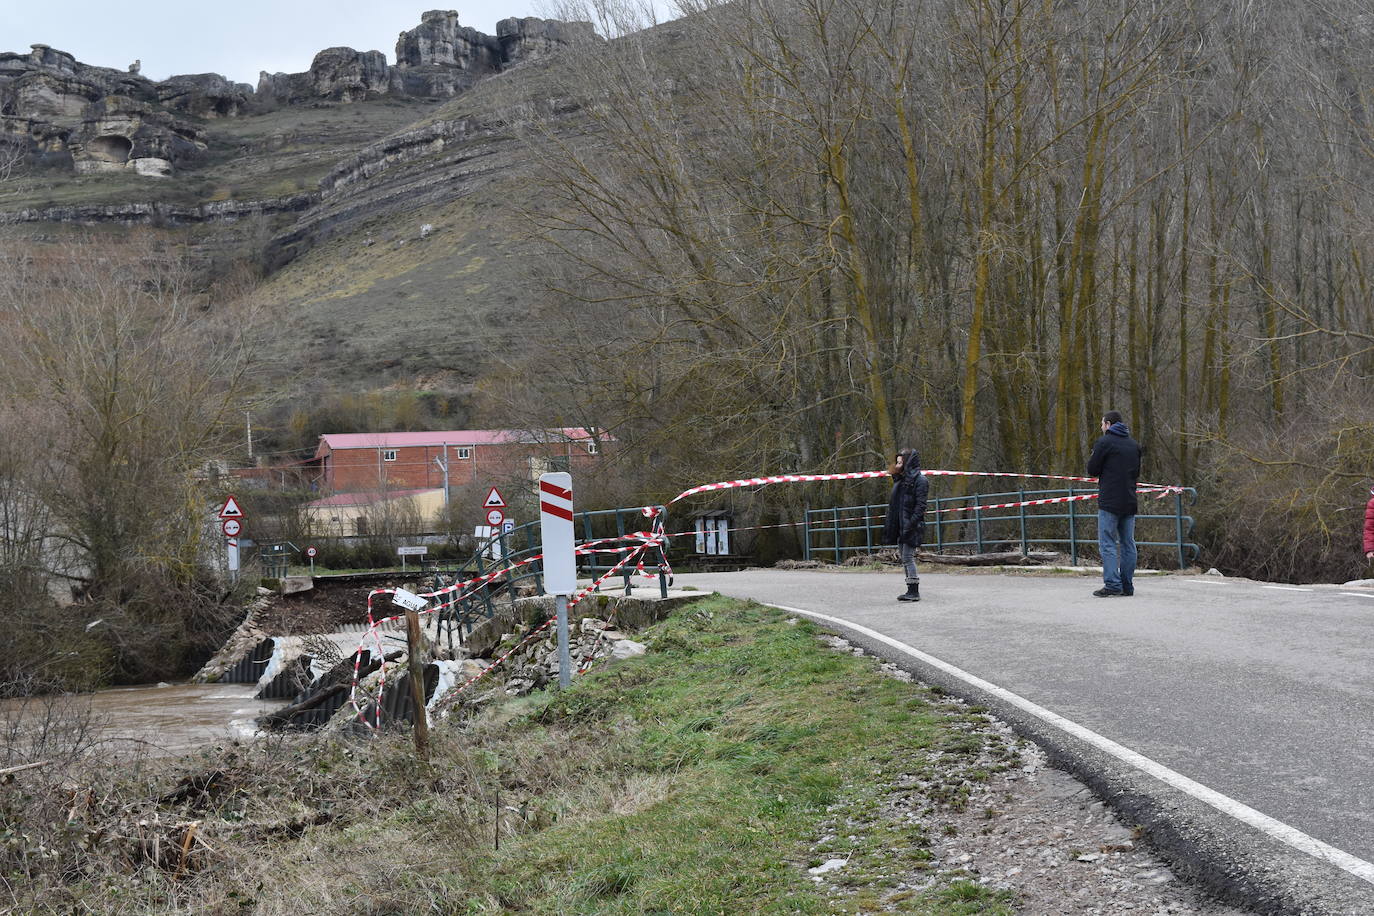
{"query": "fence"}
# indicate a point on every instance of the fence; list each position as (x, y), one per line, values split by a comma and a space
(835, 532)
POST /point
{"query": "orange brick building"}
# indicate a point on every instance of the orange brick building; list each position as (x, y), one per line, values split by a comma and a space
(352, 462)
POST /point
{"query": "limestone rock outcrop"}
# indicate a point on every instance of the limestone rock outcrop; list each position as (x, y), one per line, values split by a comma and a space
(337, 74)
(61, 113)
(438, 58)
(205, 95)
(93, 118)
(531, 38)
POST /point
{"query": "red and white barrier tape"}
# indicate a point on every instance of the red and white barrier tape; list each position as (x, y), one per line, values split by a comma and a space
(652, 511)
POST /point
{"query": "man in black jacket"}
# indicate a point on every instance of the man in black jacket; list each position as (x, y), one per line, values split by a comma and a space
(1115, 462)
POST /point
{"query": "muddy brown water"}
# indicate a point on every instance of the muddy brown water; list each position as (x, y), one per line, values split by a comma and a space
(159, 720)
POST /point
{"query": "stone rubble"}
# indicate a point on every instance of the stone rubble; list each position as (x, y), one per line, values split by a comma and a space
(589, 639)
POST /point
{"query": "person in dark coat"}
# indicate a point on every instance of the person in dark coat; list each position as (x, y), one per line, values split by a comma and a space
(1115, 462)
(1369, 527)
(905, 524)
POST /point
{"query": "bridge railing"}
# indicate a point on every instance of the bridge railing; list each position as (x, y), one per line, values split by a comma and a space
(1070, 527)
(505, 550)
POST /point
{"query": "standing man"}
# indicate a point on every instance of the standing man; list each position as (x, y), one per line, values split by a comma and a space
(1369, 527)
(905, 524)
(1115, 462)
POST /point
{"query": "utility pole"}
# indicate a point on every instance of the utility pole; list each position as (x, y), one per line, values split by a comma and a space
(442, 461)
(248, 420)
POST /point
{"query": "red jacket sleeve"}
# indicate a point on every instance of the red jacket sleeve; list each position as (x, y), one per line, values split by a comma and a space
(1369, 527)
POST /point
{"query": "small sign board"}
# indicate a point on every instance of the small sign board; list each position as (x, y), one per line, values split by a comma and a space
(412, 551)
(232, 527)
(508, 526)
(556, 533)
(495, 517)
(311, 552)
(494, 500)
(230, 509)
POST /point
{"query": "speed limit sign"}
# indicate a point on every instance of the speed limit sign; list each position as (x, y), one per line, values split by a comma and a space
(311, 552)
(232, 527)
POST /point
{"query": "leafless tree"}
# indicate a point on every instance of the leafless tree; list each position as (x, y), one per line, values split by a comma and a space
(131, 379)
(13, 154)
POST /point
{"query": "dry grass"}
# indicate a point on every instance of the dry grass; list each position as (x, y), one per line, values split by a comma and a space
(695, 779)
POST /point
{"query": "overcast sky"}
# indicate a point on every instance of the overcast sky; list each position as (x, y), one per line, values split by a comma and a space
(237, 39)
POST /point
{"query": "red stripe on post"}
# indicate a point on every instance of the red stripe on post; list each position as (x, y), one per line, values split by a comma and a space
(554, 490)
(559, 511)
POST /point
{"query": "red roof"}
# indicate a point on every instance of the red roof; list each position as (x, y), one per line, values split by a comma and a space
(453, 437)
(366, 499)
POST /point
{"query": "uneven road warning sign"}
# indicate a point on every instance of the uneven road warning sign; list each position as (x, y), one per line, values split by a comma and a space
(494, 500)
(230, 509)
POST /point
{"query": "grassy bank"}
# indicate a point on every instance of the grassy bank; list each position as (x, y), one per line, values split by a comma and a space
(704, 777)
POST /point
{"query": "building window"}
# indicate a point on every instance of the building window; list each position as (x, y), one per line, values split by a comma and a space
(464, 454)
(560, 463)
(389, 454)
(592, 447)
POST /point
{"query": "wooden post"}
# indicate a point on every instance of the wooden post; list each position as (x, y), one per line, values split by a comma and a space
(417, 683)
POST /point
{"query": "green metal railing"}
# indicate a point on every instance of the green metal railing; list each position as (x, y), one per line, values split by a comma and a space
(505, 550)
(836, 532)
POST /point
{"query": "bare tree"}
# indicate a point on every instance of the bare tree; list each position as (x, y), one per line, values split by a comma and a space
(132, 380)
(13, 154)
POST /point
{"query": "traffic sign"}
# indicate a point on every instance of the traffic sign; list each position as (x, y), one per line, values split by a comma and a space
(508, 526)
(494, 500)
(311, 552)
(495, 517)
(231, 527)
(230, 509)
(556, 533)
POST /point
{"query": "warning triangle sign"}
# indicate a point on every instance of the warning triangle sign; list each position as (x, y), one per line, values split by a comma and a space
(494, 500)
(231, 509)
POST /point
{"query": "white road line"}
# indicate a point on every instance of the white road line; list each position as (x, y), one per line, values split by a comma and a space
(1287, 588)
(1207, 581)
(1357, 595)
(1225, 804)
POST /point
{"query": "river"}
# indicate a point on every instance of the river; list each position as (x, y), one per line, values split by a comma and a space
(159, 720)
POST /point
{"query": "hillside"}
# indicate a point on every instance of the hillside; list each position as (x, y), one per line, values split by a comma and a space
(321, 181)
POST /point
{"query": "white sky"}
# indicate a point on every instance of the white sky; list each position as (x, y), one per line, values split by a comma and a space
(236, 39)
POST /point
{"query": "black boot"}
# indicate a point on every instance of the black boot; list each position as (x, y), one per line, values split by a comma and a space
(913, 592)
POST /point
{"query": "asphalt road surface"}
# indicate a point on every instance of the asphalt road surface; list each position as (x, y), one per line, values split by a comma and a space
(1258, 698)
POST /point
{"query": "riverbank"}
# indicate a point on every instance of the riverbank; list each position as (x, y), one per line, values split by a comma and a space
(745, 764)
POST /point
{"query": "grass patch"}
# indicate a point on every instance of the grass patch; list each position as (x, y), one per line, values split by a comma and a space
(704, 777)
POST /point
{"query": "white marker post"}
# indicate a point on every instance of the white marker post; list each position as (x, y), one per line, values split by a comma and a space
(560, 563)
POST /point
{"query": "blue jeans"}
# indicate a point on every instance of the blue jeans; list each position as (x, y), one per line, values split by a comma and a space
(1116, 540)
(908, 555)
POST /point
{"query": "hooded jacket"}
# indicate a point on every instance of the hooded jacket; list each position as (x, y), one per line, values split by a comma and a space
(906, 508)
(1115, 462)
(1369, 525)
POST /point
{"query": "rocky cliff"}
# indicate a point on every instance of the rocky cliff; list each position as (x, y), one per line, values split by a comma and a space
(65, 115)
(439, 58)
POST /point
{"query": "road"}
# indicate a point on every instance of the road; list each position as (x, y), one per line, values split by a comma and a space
(1261, 694)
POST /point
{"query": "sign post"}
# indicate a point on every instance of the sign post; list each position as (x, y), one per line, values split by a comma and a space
(404, 552)
(311, 552)
(560, 563)
(231, 523)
